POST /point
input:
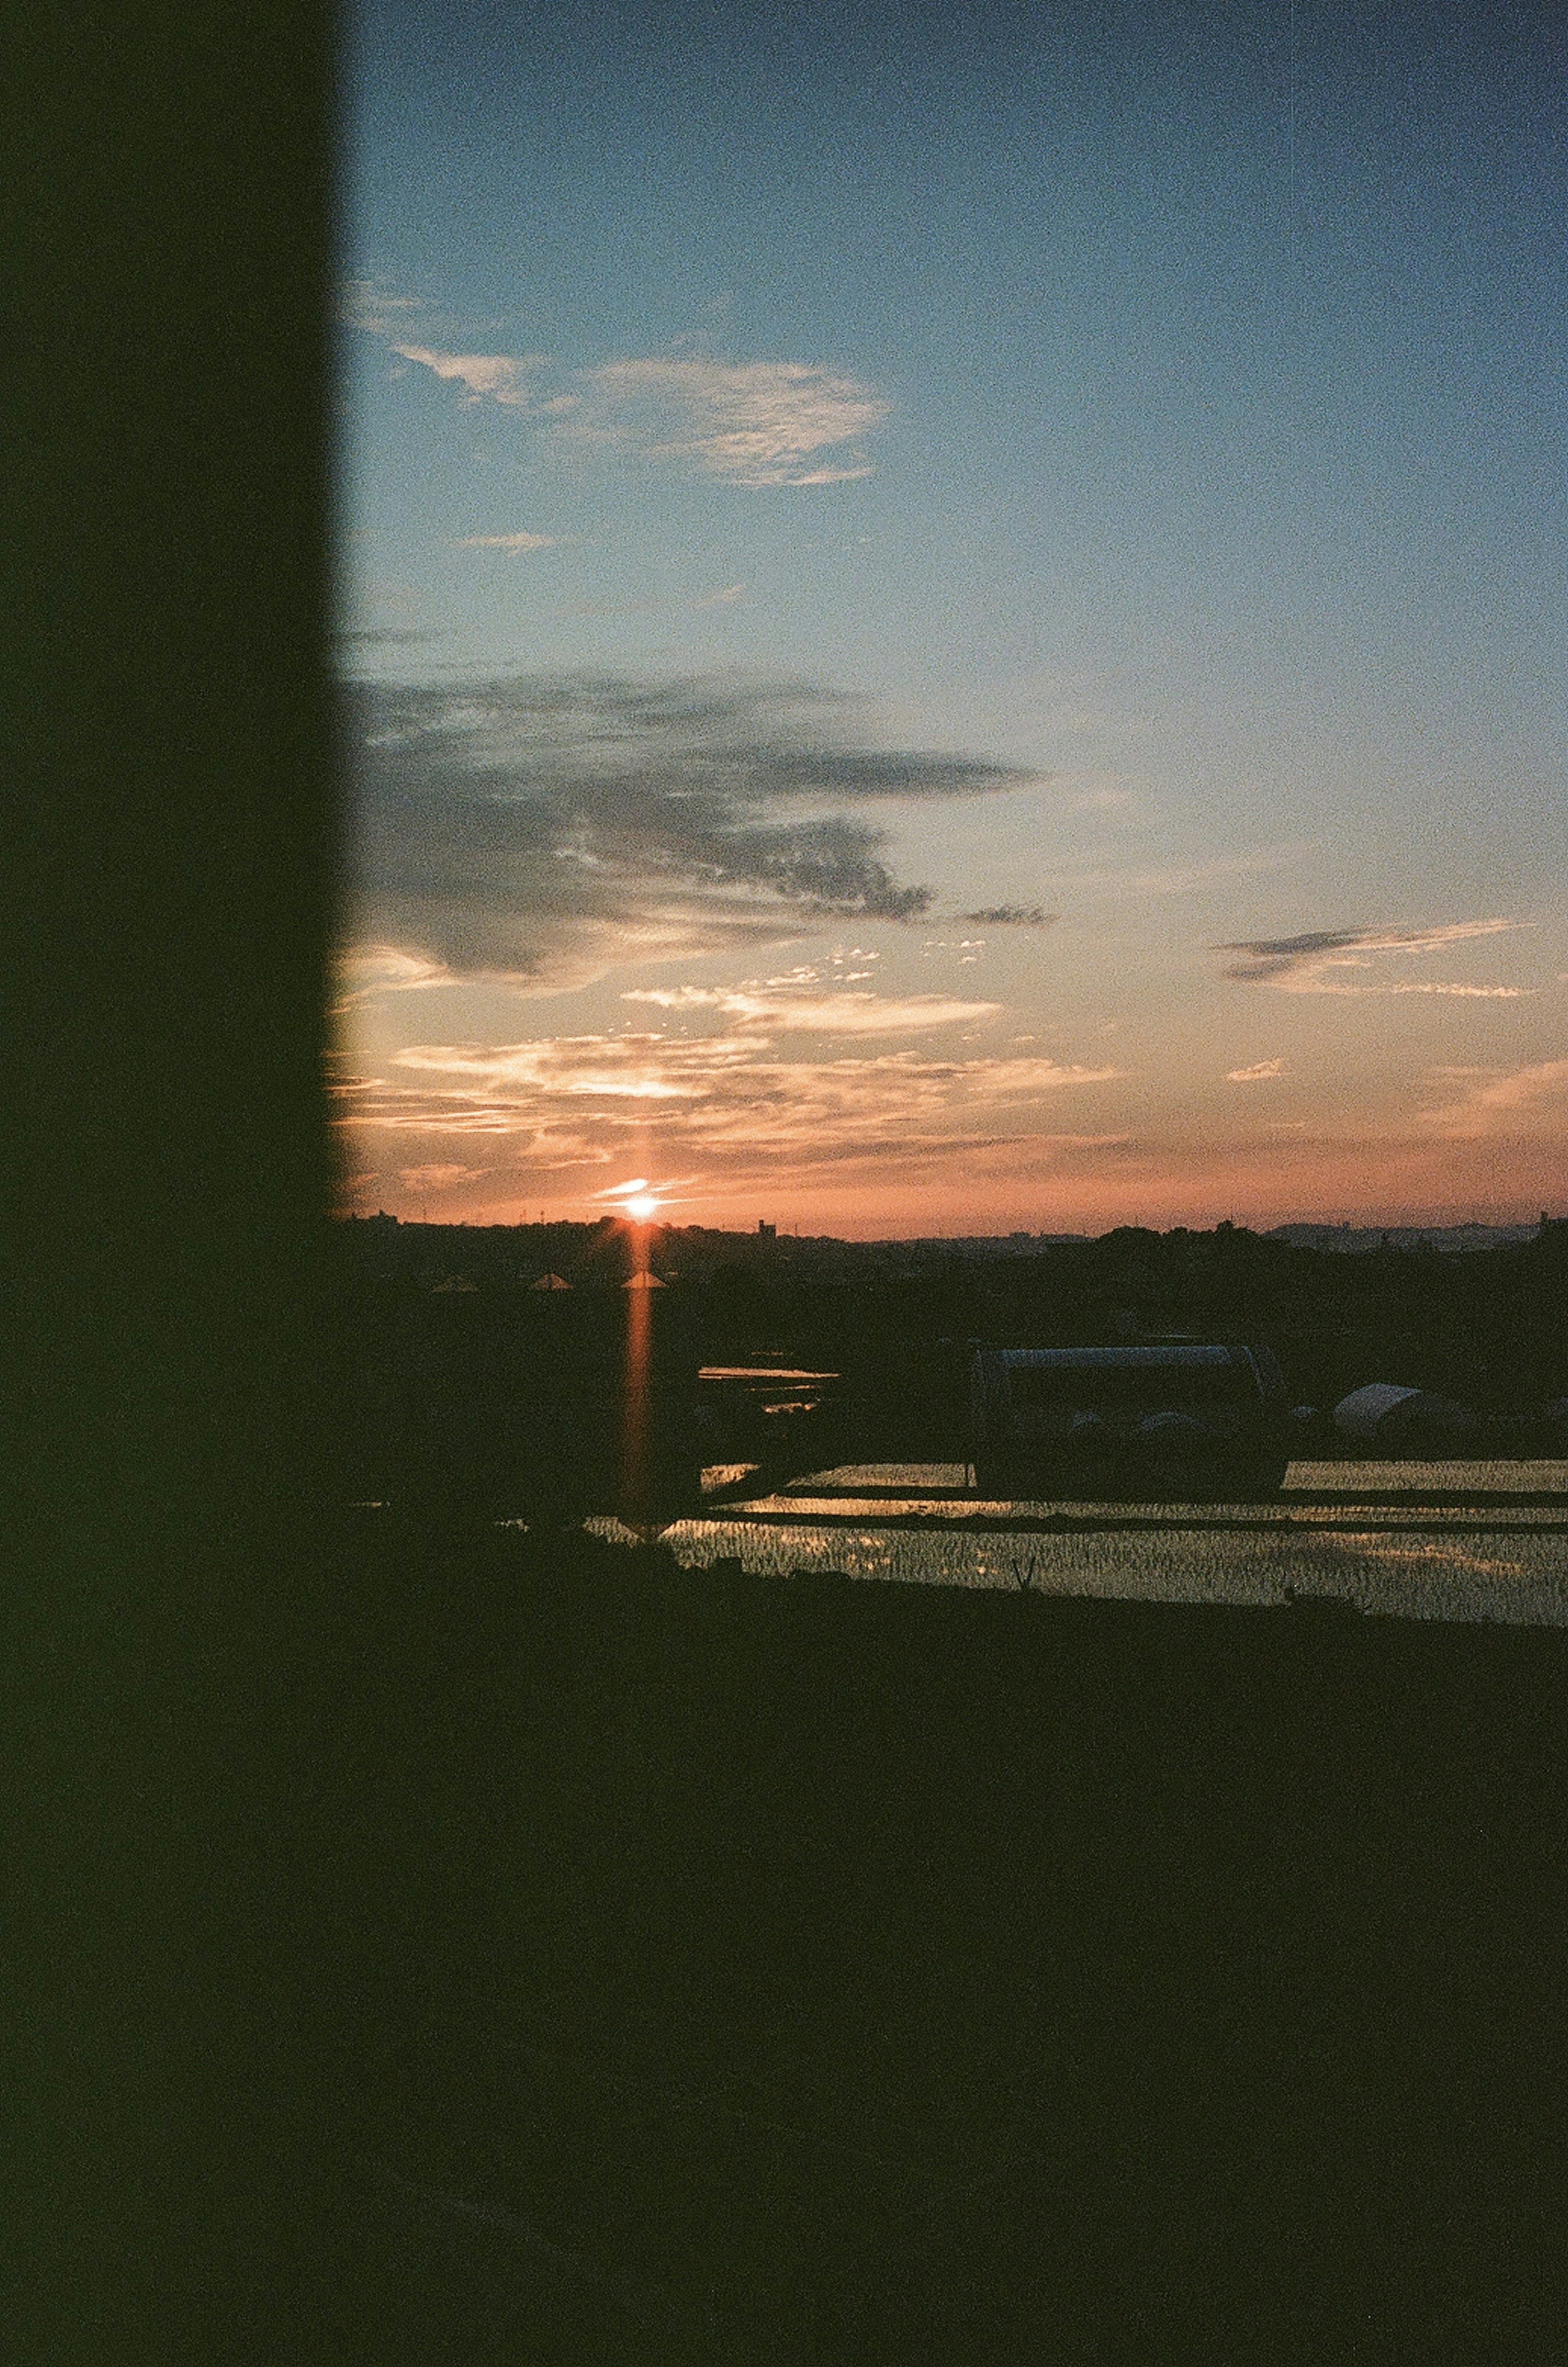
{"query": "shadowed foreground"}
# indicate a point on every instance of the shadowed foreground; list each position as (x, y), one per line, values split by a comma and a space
(801, 1971)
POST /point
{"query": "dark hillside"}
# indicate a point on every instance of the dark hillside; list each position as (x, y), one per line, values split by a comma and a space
(811, 1972)
(897, 1320)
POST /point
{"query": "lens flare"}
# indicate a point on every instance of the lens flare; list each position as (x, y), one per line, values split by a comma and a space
(642, 1206)
(637, 1400)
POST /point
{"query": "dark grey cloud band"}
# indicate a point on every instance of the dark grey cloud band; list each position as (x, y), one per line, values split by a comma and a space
(504, 825)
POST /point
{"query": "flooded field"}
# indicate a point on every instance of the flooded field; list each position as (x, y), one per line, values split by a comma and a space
(1413, 1540)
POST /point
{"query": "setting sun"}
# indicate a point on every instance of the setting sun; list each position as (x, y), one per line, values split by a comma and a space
(727, 800)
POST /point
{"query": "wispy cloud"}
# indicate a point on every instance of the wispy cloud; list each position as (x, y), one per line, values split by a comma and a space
(795, 1009)
(1299, 963)
(755, 424)
(721, 1102)
(440, 1176)
(821, 476)
(382, 637)
(369, 304)
(1009, 916)
(511, 542)
(1501, 1105)
(541, 827)
(501, 377)
(367, 970)
(752, 423)
(1261, 1073)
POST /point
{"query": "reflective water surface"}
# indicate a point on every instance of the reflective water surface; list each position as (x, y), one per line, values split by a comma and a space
(1415, 1540)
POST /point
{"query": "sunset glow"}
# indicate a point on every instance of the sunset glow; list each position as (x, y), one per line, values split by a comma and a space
(960, 649)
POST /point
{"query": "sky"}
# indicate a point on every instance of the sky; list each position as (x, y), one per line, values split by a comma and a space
(953, 622)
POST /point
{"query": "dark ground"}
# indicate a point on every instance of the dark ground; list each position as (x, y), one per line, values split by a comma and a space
(803, 1972)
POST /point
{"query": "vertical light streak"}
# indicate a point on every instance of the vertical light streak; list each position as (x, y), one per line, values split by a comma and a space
(636, 1506)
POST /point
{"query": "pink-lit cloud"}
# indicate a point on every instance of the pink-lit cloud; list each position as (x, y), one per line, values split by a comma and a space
(1520, 1100)
(723, 1104)
(1300, 965)
(440, 1176)
(792, 1009)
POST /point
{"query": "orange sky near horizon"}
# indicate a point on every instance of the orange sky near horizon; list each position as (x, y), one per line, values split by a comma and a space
(953, 622)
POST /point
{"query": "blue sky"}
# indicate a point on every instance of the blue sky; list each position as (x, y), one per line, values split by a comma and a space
(1107, 476)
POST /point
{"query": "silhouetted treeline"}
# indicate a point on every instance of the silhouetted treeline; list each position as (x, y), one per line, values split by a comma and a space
(897, 1319)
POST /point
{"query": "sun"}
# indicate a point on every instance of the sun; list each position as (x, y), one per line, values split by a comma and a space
(641, 1205)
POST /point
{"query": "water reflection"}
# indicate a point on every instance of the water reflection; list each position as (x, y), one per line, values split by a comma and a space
(1496, 1549)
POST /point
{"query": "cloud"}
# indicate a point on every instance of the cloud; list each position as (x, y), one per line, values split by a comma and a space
(441, 1176)
(512, 542)
(500, 376)
(1297, 964)
(366, 304)
(795, 1011)
(1259, 1073)
(823, 476)
(722, 1102)
(758, 423)
(1501, 1104)
(382, 636)
(1009, 916)
(369, 971)
(752, 423)
(966, 951)
(543, 827)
